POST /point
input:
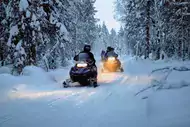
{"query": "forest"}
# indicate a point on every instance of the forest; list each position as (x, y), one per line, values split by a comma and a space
(48, 33)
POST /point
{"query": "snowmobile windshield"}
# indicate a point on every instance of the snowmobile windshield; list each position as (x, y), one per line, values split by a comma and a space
(112, 54)
(83, 57)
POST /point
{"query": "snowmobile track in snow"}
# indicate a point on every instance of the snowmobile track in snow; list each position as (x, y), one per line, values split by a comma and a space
(53, 101)
(5, 118)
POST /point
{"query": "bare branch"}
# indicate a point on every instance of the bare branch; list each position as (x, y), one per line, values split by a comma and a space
(160, 69)
(180, 3)
(161, 82)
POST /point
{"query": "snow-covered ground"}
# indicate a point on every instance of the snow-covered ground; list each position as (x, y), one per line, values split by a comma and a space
(147, 94)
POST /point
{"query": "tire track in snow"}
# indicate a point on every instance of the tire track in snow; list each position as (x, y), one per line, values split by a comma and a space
(109, 87)
(78, 96)
(53, 101)
(85, 94)
(108, 95)
(5, 118)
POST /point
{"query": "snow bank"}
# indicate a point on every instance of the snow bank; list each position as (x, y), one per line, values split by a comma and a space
(5, 70)
(32, 77)
(167, 97)
(59, 75)
(138, 66)
(7, 82)
(33, 71)
(36, 76)
(44, 78)
(177, 80)
(169, 108)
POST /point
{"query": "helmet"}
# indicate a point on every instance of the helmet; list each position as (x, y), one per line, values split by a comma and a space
(87, 48)
(109, 48)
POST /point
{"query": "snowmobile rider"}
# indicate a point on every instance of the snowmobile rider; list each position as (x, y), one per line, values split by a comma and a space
(87, 49)
(110, 50)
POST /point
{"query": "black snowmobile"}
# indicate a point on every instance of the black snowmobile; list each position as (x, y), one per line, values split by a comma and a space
(83, 72)
(112, 63)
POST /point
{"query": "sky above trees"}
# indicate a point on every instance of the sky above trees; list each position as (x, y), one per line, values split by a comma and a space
(105, 13)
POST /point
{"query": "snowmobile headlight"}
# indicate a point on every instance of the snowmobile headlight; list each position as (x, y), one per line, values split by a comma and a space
(82, 65)
(111, 58)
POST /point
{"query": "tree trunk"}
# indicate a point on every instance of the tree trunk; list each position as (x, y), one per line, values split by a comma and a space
(148, 31)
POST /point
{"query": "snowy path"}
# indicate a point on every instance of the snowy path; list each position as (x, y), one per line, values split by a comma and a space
(113, 104)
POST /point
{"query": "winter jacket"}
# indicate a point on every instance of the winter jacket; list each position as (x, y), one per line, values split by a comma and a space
(111, 53)
(90, 55)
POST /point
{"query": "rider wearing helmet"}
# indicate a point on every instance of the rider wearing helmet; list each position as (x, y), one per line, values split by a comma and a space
(87, 49)
(110, 50)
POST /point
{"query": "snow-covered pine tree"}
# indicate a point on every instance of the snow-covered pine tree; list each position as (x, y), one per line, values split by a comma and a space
(55, 36)
(122, 45)
(97, 46)
(86, 23)
(45, 32)
(171, 27)
(113, 38)
(105, 38)
(166, 23)
(3, 34)
(133, 15)
(105, 35)
(13, 25)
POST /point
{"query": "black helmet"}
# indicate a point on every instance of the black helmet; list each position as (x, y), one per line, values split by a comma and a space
(109, 48)
(87, 48)
(112, 49)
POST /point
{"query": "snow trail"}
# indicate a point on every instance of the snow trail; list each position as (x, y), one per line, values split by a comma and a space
(112, 104)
